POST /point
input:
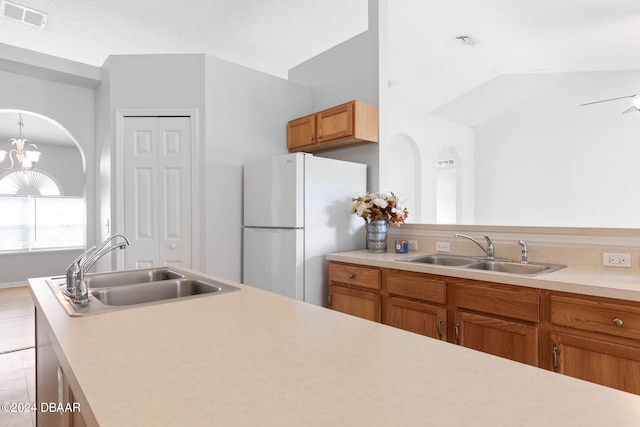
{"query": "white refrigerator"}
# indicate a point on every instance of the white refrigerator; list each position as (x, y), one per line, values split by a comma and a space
(296, 211)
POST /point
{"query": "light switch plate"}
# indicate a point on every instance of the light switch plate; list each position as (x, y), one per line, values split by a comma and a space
(443, 247)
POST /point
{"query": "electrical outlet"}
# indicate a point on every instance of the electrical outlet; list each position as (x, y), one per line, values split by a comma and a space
(616, 260)
(413, 245)
(443, 247)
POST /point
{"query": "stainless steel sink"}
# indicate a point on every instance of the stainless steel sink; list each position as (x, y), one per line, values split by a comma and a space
(127, 277)
(136, 288)
(530, 269)
(494, 265)
(450, 260)
(154, 291)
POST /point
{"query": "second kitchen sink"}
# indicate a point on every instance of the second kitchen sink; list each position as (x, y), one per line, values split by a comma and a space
(494, 265)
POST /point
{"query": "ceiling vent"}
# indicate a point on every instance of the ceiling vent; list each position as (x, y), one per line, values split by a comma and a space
(23, 14)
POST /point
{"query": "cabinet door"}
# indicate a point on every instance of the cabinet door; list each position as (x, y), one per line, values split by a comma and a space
(597, 361)
(301, 132)
(421, 318)
(355, 302)
(504, 338)
(335, 123)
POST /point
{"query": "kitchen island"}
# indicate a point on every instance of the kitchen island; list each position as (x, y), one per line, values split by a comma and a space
(256, 358)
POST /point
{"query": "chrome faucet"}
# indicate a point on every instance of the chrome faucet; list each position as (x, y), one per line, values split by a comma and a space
(524, 251)
(76, 287)
(489, 250)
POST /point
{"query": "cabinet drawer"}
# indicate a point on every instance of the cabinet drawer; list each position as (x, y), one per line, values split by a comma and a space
(363, 304)
(523, 304)
(416, 286)
(604, 317)
(365, 277)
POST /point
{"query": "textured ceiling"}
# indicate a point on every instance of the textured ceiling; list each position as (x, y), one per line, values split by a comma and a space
(430, 67)
(267, 35)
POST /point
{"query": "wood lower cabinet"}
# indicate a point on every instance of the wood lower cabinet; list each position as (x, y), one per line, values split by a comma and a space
(348, 124)
(596, 339)
(415, 302)
(597, 361)
(425, 319)
(355, 290)
(56, 403)
(592, 338)
(355, 302)
(502, 320)
(505, 338)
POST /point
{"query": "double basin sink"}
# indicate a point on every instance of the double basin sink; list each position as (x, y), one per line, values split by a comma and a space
(488, 264)
(134, 288)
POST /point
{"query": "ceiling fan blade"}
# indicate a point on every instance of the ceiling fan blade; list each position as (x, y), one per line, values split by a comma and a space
(607, 100)
(629, 110)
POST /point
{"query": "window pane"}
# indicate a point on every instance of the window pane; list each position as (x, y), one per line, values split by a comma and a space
(28, 223)
(59, 222)
(15, 223)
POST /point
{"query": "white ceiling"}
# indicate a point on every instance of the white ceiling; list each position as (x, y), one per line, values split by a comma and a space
(510, 36)
(267, 35)
(431, 68)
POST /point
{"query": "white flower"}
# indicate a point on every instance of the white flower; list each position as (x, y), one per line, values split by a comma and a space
(379, 206)
(361, 208)
(380, 202)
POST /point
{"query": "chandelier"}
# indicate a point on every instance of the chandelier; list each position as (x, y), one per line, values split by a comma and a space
(26, 157)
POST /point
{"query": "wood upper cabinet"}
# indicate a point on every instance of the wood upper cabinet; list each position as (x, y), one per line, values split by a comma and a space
(301, 133)
(355, 290)
(596, 339)
(497, 319)
(349, 124)
(415, 302)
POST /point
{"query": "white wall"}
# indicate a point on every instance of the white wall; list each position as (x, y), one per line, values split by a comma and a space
(64, 165)
(242, 114)
(431, 135)
(246, 118)
(343, 73)
(546, 161)
(72, 107)
(141, 83)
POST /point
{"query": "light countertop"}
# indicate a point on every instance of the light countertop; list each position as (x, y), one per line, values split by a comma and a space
(257, 358)
(612, 283)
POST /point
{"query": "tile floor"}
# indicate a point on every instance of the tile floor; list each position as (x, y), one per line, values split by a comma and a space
(17, 355)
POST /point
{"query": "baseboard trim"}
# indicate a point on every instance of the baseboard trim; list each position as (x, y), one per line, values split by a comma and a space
(12, 285)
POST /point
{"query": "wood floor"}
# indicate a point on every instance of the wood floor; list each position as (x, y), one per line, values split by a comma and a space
(17, 356)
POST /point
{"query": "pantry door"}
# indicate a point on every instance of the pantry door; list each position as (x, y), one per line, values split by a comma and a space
(157, 191)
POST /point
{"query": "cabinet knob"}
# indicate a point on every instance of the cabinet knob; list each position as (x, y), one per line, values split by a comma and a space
(319, 137)
(351, 276)
(172, 246)
(310, 138)
(617, 322)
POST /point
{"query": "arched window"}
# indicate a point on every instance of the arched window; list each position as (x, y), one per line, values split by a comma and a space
(35, 216)
(44, 208)
(30, 183)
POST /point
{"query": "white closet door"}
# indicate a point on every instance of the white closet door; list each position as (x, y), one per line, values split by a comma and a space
(157, 191)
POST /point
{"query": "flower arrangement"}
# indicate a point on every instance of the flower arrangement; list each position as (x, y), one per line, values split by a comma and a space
(379, 206)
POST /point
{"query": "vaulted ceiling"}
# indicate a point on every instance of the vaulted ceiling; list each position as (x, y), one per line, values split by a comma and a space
(428, 65)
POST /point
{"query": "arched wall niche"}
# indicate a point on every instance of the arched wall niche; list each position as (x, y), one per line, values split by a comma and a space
(406, 181)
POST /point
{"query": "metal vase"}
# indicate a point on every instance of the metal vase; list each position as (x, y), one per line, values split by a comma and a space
(377, 236)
